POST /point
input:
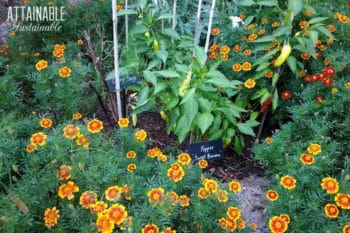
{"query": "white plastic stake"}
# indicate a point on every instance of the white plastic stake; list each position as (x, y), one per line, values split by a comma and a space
(196, 32)
(211, 15)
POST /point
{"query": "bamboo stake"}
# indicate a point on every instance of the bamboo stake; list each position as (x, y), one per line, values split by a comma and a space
(126, 25)
(209, 24)
(196, 32)
(116, 58)
(174, 15)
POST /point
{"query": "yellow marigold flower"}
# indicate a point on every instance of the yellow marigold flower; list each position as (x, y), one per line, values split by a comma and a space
(117, 213)
(223, 222)
(88, 199)
(131, 154)
(264, 21)
(268, 140)
(202, 163)
(95, 126)
(235, 186)
(247, 52)
(334, 90)
(71, 131)
(307, 159)
(123, 122)
(51, 216)
(277, 225)
(224, 49)
(237, 48)
(65, 72)
(67, 190)
(131, 167)
(176, 172)
(41, 65)
(224, 57)
(246, 66)
(249, 83)
(314, 149)
(104, 224)
(342, 200)
(346, 229)
(30, 148)
(64, 173)
(222, 195)
(77, 116)
(80, 42)
(288, 182)
(253, 226)
(99, 207)
(38, 138)
(250, 26)
(203, 193)
(150, 228)
(275, 24)
(140, 135)
(82, 140)
(329, 184)
(211, 185)
(308, 13)
(252, 37)
(236, 67)
(331, 210)
(155, 195)
(46, 122)
(184, 158)
(184, 200)
(233, 213)
(331, 27)
(58, 53)
(347, 84)
(113, 193)
(272, 195)
(285, 217)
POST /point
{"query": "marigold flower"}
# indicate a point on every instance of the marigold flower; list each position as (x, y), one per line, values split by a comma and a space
(117, 213)
(213, 55)
(99, 207)
(58, 53)
(65, 72)
(223, 222)
(104, 224)
(119, 7)
(150, 228)
(77, 116)
(249, 83)
(59, 47)
(288, 182)
(176, 172)
(346, 229)
(314, 149)
(233, 213)
(319, 100)
(184, 158)
(241, 223)
(246, 66)
(303, 24)
(30, 148)
(168, 230)
(131, 167)
(140, 135)
(67, 190)
(275, 24)
(236, 67)
(46, 122)
(41, 65)
(247, 52)
(261, 32)
(222, 195)
(334, 90)
(308, 13)
(285, 217)
(64, 173)
(252, 37)
(231, 225)
(347, 84)
(305, 56)
(268, 140)
(286, 95)
(211, 185)
(184, 200)
(80, 42)
(113, 193)
(202, 163)
(307, 159)
(95, 126)
(51, 216)
(331, 210)
(343, 201)
(237, 48)
(155, 195)
(272, 195)
(88, 199)
(235, 186)
(277, 225)
(38, 138)
(250, 26)
(153, 152)
(253, 226)
(224, 49)
(173, 196)
(83, 141)
(214, 48)
(71, 131)
(25, 1)
(215, 31)
(131, 154)
(331, 27)
(203, 193)
(123, 122)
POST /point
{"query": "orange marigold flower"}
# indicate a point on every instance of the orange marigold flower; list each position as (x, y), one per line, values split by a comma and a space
(272, 195)
(88, 199)
(331, 210)
(202, 163)
(140, 135)
(184, 200)
(305, 56)
(236, 67)
(155, 195)
(330, 40)
(113, 193)
(150, 228)
(275, 24)
(214, 48)
(51, 216)
(331, 27)
(50, 3)
(242, 16)
(176, 172)
(261, 32)
(342, 200)
(268, 140)
(169, 230)
(131, 167)
(38, 138)
(237, 48)
(67, 190)
(59, 46)
(80, 42)
(95, 126)
(308, 13)
(184, 158)
(347, 84)
(215, 31)
(334, 90)
(123, 122)
(250, 26)
(252, 37)
(77, 116)
(307, 159)
(64, 173)
(249, 83)
(303, 24)
(285, 217)
(224, 57)
(269, 74)
(288, 182)
(25, 1)
(222, 195)
(225, 49)
(319, 100)
(233, 213)
(314, 149)
(247, 52)
(46, 122)
(331, 185)
(213, 55)
(173, 196)
(253, 226)
(65, 72)
(231, 225)
(131, 154)
(277, 225)
(264, 21)
(286, 95)
(99, 207)
(223, 222)
(58, 53)
(235, 186)
(104, 224)
(30, 148)
(346, 229)
(154, 152)
(211, 185)
(119, 7)
(117, 213)
(83, 141)
(71, 131)
(41, 65)
(246, 66)
(203, 193)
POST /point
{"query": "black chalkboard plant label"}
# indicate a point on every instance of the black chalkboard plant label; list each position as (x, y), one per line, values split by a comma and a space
(126, 80)
(210, 150)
